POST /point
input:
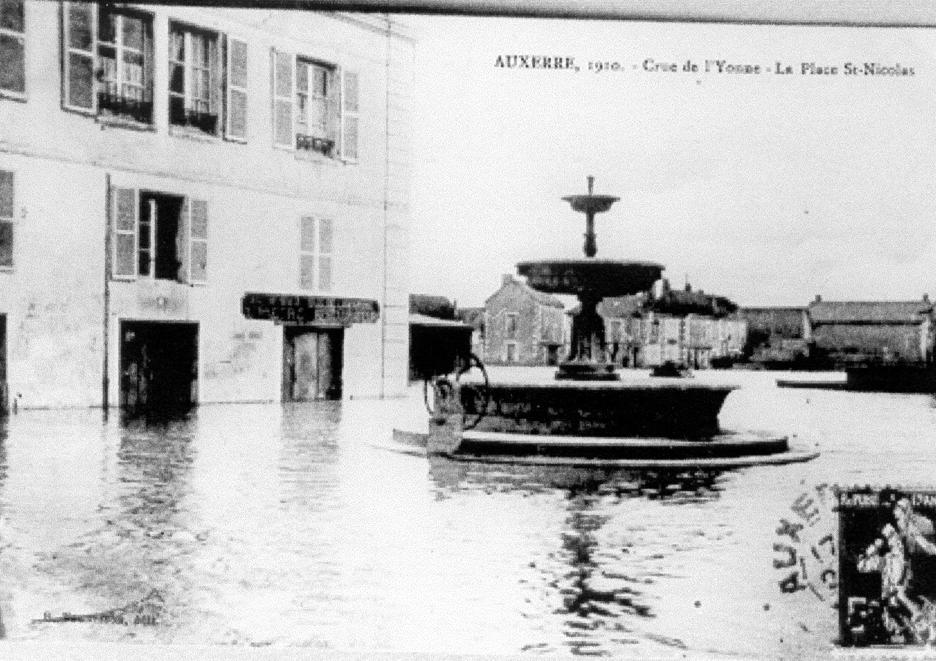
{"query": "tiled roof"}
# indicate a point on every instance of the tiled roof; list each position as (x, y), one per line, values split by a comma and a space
(851, 312)
(538, 296)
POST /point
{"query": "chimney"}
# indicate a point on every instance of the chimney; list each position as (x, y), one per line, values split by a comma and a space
(926, 298)
(818, 298)
(507, 279)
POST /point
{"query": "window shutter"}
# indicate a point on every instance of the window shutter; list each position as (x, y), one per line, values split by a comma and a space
(307, 252)
(349, 116)
(325, 240)
(236, 124)
(284, 70)
(12, 47)
(215, 89)
(6, 219)
(124, 210)
(198, 241)
(80, 43)
(332, 107)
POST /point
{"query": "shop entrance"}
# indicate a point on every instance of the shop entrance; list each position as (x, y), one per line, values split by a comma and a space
(158, 366)
(311, 363)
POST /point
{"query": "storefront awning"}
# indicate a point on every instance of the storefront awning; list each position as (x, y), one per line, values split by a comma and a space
(289, 308)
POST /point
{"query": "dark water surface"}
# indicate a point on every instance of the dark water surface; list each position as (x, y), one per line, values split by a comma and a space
(285, 525)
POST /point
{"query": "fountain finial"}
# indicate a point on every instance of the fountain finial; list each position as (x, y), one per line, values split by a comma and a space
(591, 182)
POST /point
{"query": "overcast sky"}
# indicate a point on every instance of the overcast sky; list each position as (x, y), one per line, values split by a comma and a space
(765, 188)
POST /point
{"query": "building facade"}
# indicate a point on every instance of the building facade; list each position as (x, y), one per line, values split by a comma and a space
(847, 333)
(201, 205)
(523, 326)
(777, 336)
(644, 331)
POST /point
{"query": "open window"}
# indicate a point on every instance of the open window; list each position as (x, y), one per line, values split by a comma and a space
(108, 61)
(315, 106)
(159, 235)
(194, 78)
(12, 48)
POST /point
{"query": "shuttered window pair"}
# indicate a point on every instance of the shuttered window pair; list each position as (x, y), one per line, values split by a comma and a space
(316, 243)
(6, 219)
(109, 63)
(136, 237)
(12, 48)
(315, 106)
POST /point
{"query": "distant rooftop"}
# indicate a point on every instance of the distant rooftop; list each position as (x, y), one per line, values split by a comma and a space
(857, 312)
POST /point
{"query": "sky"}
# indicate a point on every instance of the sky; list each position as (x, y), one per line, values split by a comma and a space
(767, 188)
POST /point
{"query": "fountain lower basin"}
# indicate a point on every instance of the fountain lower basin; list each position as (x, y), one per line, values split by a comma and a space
(662, 407)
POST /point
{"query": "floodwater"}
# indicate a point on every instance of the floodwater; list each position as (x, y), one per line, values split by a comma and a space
(288, 525)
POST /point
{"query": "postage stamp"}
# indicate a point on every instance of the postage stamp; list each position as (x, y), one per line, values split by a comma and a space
(887, 566)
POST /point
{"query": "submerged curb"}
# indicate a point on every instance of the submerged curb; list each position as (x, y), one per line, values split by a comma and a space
(414, 443)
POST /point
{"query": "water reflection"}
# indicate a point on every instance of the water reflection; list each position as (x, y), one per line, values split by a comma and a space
(602, 573)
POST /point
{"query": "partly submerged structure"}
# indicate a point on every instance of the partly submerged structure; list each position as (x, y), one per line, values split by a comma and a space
(586, 413)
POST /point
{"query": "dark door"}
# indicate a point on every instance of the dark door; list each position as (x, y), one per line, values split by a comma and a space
(158, 366)
(311, 364)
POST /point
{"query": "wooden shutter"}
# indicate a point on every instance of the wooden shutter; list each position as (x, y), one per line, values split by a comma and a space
(79, 34)
(197, 223)
(307, 252)
(6, 219)
(333, 108)
(13, 47)
(124, 210)
(215, 89)
(349, 115)
(325, 241)
(284, 71)
(235, 127)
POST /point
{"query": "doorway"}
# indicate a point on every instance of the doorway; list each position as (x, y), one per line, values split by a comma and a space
(158, 366)
(311, 363)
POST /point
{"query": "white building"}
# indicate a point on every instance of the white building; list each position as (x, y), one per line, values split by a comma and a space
(160, 163)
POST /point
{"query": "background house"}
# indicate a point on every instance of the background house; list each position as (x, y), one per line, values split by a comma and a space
(776, 336)
(847, 333)
(686, 327)
(523, 326)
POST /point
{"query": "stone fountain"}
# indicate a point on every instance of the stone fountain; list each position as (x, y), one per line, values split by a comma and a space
(586, 413)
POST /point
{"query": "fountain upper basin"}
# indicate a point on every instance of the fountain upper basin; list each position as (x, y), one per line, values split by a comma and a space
(590, 276)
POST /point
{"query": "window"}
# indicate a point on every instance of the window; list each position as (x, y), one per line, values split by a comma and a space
(12, 48)
(194, 79)
(510, 326)
(157, 235)
(315, 253)
(315, 107)
(6, 219)
(511, 352)
(108, 61)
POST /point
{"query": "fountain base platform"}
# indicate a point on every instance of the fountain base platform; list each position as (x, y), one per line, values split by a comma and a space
(725, 451)
(659, 423)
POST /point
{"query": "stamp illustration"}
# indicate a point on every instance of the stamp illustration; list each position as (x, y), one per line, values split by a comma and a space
(887, 567)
